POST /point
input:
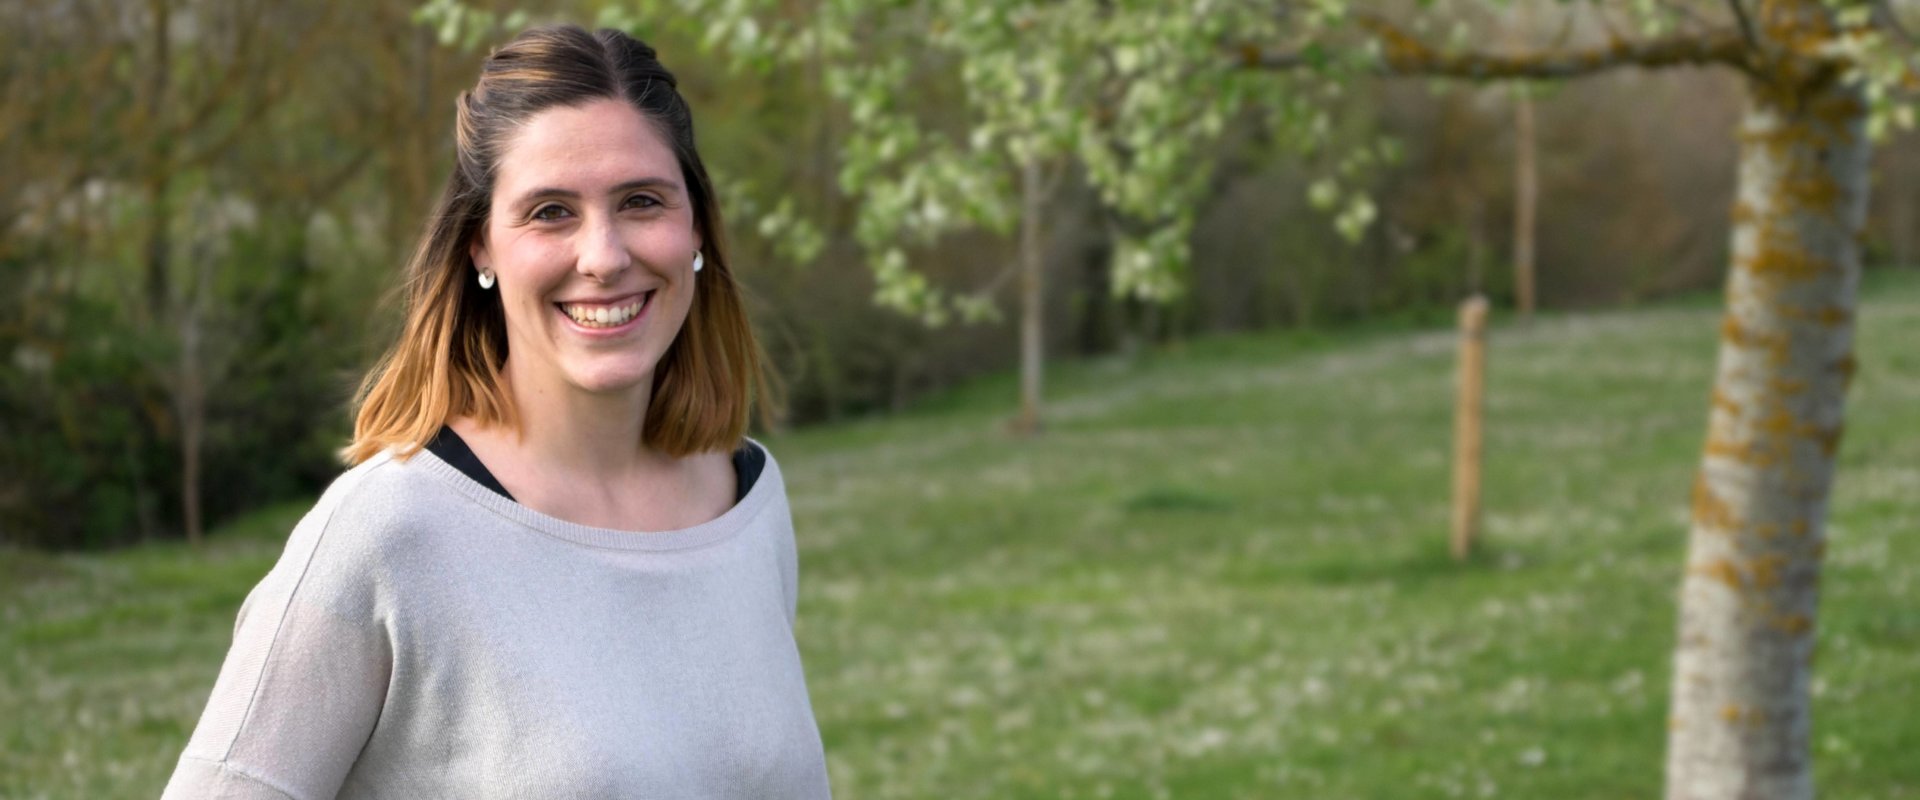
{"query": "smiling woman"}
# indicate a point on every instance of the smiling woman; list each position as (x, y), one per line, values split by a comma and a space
(557, 568)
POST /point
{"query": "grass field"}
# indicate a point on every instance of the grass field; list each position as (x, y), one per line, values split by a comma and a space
(1221, 573)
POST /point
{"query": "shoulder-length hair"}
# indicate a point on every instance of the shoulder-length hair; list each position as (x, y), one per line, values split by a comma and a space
(448, 361)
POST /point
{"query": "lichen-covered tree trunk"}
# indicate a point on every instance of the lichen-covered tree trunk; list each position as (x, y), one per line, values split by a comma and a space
(1740, 716)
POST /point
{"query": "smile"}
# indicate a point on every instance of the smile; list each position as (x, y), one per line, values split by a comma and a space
(595, 315)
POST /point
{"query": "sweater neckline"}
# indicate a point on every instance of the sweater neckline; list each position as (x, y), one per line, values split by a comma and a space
(715, 530)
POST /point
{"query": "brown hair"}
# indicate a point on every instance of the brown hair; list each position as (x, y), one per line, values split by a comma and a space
(449, 357)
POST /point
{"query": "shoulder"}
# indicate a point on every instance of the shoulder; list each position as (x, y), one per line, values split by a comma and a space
(356, 535)
(384, 495)
(389, 488)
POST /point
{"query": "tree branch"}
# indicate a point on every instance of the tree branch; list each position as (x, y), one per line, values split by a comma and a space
(1884, 11)
(1746, 25)
(1403, 54)
(1599, 12)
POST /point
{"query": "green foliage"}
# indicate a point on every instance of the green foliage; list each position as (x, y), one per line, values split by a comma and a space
(464, 26)
(949, 101)
(79, 452)
(88, 432)
(197, 223)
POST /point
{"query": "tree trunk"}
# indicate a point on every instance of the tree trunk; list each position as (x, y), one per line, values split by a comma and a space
(159, 170)
(1300, 294)
(1032, 341)
(1740, 716)
(1526, 193)
(1095, 260)
(190, 410)
(1473, 214)
(1096, 292)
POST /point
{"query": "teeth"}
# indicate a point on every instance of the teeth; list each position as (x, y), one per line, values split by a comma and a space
(603, 316)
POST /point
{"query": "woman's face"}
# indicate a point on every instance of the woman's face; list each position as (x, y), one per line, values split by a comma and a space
(591, 241)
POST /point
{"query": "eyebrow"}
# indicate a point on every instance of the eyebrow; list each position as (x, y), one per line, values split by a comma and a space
(620, 188)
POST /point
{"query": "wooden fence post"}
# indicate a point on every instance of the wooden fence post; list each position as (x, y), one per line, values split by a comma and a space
(1468, 411)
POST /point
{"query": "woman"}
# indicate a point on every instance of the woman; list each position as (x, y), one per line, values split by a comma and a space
(476, 610)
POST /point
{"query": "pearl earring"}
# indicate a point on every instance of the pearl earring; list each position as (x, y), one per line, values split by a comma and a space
(698, 261)
(486, 279)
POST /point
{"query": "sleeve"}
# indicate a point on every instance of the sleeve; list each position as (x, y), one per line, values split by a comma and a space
(790, 577)
(788, 555)
(302, 685)
(786, 551)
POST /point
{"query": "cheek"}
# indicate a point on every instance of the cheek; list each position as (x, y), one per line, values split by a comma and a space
(533, 266)
(527, 282)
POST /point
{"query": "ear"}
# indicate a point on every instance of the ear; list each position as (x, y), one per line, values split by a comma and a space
(477, 252)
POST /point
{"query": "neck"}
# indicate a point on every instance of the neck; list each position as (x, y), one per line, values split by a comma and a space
(581, 433)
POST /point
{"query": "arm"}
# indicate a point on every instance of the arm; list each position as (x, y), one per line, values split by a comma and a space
(302, 686)
(789, 570)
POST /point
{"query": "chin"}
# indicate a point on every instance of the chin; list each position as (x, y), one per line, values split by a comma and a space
(612, 380)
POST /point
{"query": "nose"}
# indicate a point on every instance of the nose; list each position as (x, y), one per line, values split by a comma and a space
(602, 255)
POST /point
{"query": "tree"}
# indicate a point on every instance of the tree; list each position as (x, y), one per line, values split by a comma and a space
(219, 105)
(196, 78)
(1813, 73)
(187, 201)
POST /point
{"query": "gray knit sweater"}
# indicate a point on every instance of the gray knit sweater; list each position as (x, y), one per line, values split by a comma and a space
(424, 637)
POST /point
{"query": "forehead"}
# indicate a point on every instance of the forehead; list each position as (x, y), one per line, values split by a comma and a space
(584, 148)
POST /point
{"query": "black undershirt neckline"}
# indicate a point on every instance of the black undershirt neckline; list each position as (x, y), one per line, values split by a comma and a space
(748, 462)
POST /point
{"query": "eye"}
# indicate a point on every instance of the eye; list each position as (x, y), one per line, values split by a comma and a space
(549, 212)
(641, 201)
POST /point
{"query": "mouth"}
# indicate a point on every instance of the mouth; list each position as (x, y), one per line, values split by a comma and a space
(603, 316)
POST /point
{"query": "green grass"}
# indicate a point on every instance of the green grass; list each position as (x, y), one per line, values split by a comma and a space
(1221, 573)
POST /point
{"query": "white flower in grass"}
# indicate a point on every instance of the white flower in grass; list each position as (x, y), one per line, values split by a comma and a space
(1209, 739)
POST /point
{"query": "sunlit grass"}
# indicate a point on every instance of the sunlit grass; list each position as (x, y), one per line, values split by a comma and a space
(1221, 573)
